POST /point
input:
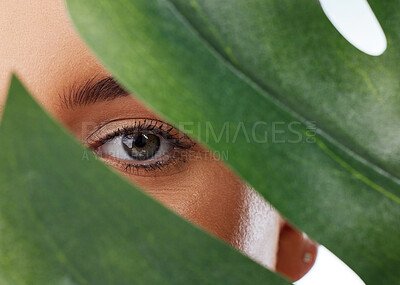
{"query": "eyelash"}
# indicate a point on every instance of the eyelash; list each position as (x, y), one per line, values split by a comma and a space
(180, 143)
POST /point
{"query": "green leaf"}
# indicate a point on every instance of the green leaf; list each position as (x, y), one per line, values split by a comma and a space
(293, 51)
(66, 219)
(266, 67)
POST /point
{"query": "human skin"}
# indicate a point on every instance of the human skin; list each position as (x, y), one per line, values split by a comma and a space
(40, 45)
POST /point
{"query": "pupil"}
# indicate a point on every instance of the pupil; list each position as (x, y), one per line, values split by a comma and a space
(140, 141)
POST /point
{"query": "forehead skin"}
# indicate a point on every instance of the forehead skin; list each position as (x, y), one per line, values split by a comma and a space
(39, 43)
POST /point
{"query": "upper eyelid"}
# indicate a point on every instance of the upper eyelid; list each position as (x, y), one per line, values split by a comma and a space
(188, 142)
(99, 126)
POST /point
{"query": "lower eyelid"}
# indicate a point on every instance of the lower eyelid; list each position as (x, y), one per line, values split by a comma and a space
(170, 166)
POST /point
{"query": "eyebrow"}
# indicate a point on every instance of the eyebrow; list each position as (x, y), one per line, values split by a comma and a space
(92, 91)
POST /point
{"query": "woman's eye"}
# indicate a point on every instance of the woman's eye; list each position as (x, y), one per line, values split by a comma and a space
(134, 144)
(136, 147)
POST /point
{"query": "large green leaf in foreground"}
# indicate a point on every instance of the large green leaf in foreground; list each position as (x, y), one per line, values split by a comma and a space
(67, 221)
(291, 49)
(245, 65)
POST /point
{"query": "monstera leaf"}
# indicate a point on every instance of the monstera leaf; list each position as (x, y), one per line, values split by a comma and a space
(67, 221)
(310, 122)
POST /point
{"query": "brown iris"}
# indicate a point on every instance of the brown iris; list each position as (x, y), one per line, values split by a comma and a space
(141, 146)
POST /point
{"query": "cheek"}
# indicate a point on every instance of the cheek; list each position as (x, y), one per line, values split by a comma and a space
(208, 194)
(205, 192)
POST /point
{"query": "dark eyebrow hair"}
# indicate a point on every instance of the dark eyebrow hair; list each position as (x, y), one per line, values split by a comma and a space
(92, 91)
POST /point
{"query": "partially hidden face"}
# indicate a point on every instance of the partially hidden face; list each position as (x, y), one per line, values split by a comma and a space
(39, 44)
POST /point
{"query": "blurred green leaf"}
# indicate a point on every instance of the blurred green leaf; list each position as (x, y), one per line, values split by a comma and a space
(266, 67)
(66, 219)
